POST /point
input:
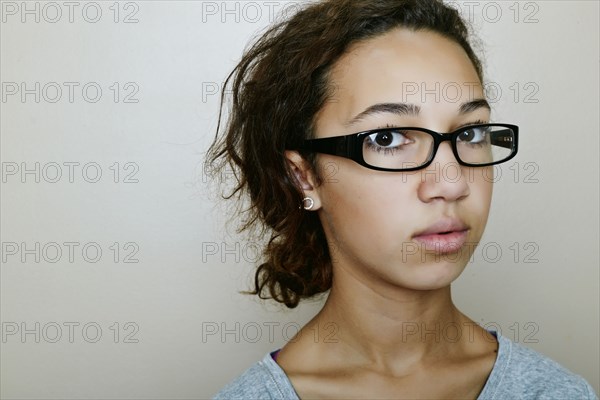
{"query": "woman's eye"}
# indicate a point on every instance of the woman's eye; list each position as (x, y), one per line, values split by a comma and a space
(388, 139)
(474, 135)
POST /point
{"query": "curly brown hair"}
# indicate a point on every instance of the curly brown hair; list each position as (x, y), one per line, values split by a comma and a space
(277, 88)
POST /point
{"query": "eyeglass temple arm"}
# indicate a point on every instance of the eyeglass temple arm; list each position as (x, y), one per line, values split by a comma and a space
(503, 138)
(333, 145)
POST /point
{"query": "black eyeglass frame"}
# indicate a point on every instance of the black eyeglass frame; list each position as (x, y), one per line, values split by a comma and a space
(350, 146)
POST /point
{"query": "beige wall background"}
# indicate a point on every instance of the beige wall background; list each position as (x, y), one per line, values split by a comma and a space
(119, 278)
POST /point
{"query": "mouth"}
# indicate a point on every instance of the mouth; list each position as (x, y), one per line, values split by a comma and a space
(445, 236)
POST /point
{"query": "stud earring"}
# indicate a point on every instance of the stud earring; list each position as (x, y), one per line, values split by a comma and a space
(308, 203)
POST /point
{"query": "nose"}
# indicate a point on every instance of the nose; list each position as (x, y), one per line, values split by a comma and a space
(444, 179)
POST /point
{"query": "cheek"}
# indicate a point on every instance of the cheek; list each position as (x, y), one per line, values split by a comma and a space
(480, 196)
(482, 185)
(366, 211)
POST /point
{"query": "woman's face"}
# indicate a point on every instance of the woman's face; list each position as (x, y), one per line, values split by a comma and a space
(373, 219)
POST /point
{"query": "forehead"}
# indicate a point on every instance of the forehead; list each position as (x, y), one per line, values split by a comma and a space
(402, 65)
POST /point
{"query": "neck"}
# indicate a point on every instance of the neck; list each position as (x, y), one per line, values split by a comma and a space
(394, 328)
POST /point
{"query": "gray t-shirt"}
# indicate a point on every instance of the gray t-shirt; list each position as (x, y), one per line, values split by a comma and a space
(519, 373)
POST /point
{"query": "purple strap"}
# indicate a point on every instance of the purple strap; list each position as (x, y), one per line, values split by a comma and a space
(274, 354)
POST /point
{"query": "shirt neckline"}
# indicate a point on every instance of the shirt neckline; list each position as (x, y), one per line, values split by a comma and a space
(284, 385)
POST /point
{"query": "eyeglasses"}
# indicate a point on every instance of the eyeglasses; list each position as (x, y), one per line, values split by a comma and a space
(409, 149)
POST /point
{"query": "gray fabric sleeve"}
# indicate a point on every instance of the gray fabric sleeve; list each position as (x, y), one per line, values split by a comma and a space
(263, 380)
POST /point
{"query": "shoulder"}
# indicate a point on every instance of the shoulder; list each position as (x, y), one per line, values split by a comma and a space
(263, 380)
(521, 372)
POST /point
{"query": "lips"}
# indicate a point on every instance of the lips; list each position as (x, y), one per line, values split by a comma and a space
(444, 226)
(445, 236)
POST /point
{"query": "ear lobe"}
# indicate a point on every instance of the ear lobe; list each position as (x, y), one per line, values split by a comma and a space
(304, 176)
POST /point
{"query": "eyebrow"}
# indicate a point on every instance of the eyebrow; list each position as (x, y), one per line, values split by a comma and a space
(471, 106)
(402, 109)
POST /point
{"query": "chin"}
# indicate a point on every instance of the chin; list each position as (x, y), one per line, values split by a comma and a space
(433, 276)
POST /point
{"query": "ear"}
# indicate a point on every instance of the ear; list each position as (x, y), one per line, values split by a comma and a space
(304, 176)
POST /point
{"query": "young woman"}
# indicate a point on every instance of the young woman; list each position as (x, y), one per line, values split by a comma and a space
(376, 189)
